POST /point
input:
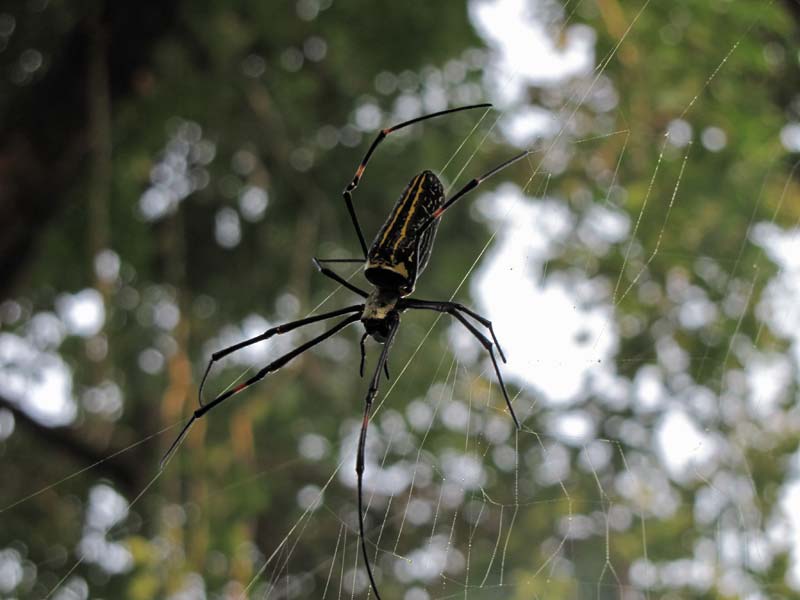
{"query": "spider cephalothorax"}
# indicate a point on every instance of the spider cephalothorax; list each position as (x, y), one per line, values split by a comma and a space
(392, 264)
(380, 313)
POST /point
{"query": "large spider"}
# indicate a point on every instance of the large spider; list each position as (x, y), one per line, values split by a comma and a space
(398, 255)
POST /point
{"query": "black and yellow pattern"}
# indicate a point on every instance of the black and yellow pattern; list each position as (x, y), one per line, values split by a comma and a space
(398, 254)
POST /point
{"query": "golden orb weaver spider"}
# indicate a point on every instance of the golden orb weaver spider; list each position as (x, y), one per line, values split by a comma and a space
(392, 264)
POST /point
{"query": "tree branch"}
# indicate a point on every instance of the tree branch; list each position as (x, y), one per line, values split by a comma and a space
(120, 469)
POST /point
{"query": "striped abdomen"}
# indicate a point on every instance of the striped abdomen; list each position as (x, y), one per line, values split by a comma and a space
(397, 255)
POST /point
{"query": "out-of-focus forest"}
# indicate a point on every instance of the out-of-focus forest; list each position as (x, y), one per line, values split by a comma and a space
(167, 172)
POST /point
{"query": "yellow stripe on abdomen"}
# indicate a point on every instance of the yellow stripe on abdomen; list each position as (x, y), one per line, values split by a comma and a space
(398, 210)
(411, 210)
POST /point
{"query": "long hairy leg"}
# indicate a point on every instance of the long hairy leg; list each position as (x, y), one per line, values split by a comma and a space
(285, 328)
(471, 185)
(347, 194)
(464, 309)
(271, 367)
(362, 439)
(318, 262)
(453, 309)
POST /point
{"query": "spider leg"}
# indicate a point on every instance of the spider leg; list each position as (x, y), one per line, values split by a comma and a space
(347, 194)
(362, 439)
(471, 185)
(285, 328)
(466, 309)
(336, 277)
(341, 260)
(486, 323)
(453, 308)
(271, 367)
(363, 357)
(363, 354)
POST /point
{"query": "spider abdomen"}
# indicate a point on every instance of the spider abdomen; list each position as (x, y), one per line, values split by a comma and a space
(398, 254)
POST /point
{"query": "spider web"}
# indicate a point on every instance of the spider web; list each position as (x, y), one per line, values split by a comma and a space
(471, 498)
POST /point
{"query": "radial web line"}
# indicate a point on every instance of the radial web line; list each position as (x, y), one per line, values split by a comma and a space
(306, 519)
(685, 111)
(516, 507)
(496, 547)
(612, 183)
(605, 504)
(380, 534)
(786, 186)
(463, 143)
(81, 559)
(600, 70)
(607, 203)
(469, 415)
(90, 467)
(639, 220)
(472, 156)
(734, 501)
(450, 371)
(449, 545)
(383, 464)
(281, 569)
(722, 63)
(286, 537)
(729, 276)
(344, 556)
(511, 77)
(355, 575)
(663, 226)
(642, 520)
(333, 561)
(568, 498)
(283, 566)
(758, 520)
(738, 326)
(469, 548)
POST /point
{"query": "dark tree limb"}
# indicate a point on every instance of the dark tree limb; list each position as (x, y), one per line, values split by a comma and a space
(793, 6)
(120, 469)
(46, 126)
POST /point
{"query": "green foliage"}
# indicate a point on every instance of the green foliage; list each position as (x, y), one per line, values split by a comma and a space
(276, 101)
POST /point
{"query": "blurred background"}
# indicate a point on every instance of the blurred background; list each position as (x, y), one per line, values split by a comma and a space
(167, 171)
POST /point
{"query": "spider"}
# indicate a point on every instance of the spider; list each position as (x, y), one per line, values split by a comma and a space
(392, 264)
